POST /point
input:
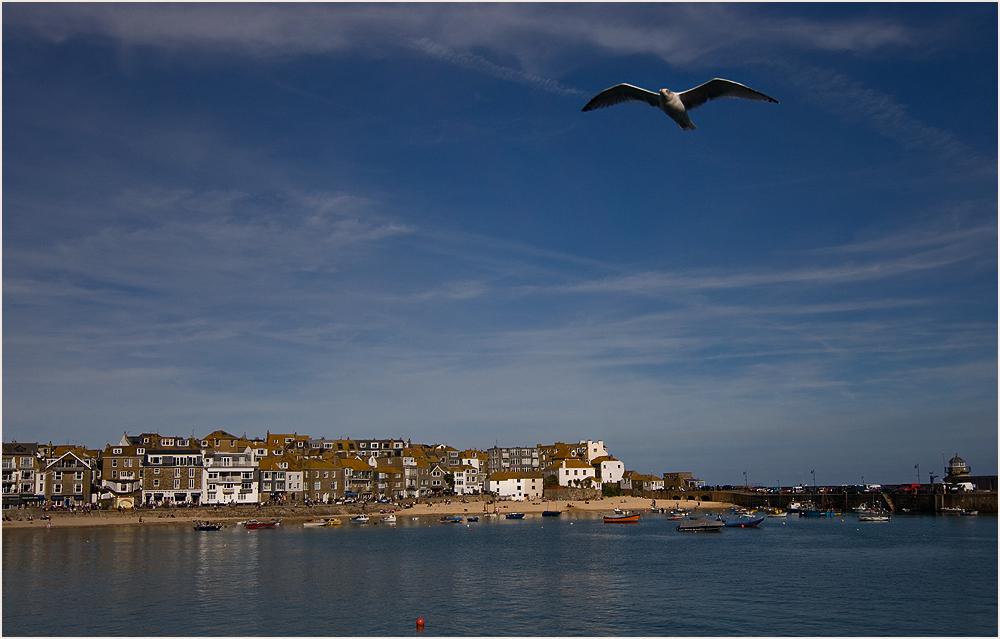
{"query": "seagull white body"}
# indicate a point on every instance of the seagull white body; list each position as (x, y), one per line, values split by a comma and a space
(676, 105)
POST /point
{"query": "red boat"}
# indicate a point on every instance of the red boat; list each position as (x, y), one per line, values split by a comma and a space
(621, 519)
(253, 524)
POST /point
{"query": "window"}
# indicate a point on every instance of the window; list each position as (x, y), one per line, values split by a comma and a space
(58, 474)
(156, 471)
(78, 488)
(177, 472)
(114, 463)
(26, 462)
(156, 483)
(140, 451)
(190, 472)
(79, 475)
(177, 484)
(57, 489)
(114, 474)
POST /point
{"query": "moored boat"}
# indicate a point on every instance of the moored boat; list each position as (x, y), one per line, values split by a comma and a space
(514, 515)
(316, 523)
(207, 526)
(874, 516)
(623, 518)
(551, 513)
(472, 519)
(450, 520)
(701, 524)
(744, 522)
(361, 519)
(253, 524)
(389, 519)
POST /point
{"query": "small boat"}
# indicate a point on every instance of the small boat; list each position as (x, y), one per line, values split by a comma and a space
(208, 526)
(951, 511)
(472, 519)
(795, 506)
(701, 524)
(744, 522)
(334, 522)
(777, 513)
(514, 515)
(450, 520)
(253, 524)
(316, 523)
(968, 512)
(361, 519)
(551, 513)
(874, 517)
(389, 519)
(623, 518)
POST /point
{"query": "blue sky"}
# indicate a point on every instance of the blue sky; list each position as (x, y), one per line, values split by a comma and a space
(386, 220)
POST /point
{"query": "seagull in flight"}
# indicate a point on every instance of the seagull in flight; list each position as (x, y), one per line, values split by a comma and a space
(676, 105)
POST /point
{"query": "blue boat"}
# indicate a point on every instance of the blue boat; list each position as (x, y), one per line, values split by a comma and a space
(450, 520)
(514, 515)
(744, 522)
(551, 513)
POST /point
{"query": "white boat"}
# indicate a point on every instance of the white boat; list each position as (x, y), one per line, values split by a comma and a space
(361, 519)
(874, 517)
(389, 519)
(316, 523)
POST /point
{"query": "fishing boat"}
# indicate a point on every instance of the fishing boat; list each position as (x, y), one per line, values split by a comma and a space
(253, 524)
(472, 519)
(450, 520)
(777, 512)
(361, 519)
(968, 512)
(701, 524)
(744, 522)
(316, 523)
(951, 511)
(207, 526)
(514, 515)
(551, 513)
(623, 518)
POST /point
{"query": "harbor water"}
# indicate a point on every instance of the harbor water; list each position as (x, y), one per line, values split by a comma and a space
(565, 576)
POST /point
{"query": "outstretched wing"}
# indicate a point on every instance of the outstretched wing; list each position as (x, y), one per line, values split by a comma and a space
(719, 88)
(622, 93)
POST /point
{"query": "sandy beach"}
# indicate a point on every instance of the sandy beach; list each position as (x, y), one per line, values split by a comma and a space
(468, 506)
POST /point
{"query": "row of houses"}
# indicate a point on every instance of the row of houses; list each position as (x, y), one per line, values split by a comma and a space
(222, 468)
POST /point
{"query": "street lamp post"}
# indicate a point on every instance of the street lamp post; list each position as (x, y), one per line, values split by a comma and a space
(917, 466)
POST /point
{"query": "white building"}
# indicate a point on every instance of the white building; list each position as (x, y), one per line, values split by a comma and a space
(609, 470)
(574, 473)
(592, 450)
(230, 477)
(516, 486)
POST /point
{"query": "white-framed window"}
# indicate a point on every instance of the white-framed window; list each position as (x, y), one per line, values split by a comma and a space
(78, 475)
(177, 472)
(140, 451)
(26, 462)
(116, 451)
(156, 483)
(57, 489)
(190, 472)
(177, 484)
(156, 471)
(78, 488)
(114, 463)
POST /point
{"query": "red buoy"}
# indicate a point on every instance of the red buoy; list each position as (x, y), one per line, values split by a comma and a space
(420, 624)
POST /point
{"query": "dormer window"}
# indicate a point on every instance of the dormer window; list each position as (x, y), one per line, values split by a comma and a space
(116, 451)
(204, 443)
(363, 445)
(140, 451)
(168, 442)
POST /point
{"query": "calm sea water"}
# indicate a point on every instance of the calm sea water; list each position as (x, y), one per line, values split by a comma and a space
(917, 575)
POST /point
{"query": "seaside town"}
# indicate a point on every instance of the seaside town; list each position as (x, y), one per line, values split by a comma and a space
(221, 469)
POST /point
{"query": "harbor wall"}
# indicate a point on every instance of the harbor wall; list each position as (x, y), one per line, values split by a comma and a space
(983, 501)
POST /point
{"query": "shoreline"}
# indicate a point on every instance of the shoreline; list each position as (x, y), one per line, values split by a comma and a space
(226, 514)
